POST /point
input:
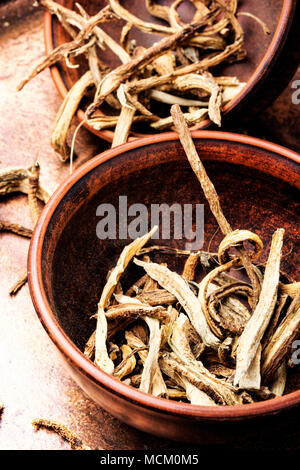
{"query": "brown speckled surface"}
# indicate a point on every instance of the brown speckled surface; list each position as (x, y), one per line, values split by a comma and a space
(33, 381)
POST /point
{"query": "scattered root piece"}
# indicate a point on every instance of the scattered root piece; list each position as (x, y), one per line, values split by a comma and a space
(15, 228)
(172, 282)
(66, 113)
(62, 430)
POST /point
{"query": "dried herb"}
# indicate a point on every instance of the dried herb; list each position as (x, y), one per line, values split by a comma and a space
(101, 357)
(25, 181)
(18, 285)
(128, 363)
(62, 430)
(279, 344)
(174, 284)
(174, 70)
(208, 344)
(250, 338)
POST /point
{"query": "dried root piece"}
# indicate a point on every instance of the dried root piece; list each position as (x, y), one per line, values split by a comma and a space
(290, 289)
(258, 20)
(134, 311)
(252, 380)
(190, 267)
(15, 228)
(66, 113)
(251, 337)
(62, 430)
(122, 73)
(191, 118)
(207, 83)
(172, 282)
(123, 125)
(16, 180)
(101, 357)
(203, 291)
(194, 395)
(228, 317)
(278, 347)
(151, 362)
(220, 393)
(279, 380)
(128, 363)
(179, 344)
(157, 297)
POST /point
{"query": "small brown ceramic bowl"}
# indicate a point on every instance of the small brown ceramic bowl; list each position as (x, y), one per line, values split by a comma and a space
(259, 188)
(266, 60)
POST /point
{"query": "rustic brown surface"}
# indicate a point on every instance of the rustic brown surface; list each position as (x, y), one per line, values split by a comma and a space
(33, 381)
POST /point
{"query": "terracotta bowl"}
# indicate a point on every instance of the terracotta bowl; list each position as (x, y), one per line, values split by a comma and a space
(259, 188)
(262, 71)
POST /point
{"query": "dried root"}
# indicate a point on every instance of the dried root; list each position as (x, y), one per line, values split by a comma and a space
(175, 70)
(206, 343)
(62, 430)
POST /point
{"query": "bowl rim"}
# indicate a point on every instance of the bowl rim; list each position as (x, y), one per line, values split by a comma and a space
(75, 356)
(259, 74)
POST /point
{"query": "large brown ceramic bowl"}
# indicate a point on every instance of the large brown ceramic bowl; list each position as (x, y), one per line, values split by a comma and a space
(259, 188)
(272, 59)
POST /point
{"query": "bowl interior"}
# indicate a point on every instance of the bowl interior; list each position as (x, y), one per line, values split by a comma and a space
(256, 42)
(258, 189)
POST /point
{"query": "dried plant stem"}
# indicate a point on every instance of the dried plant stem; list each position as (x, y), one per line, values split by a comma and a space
(172, 282)
(128, 363)
(70, 17)
(118, 370)
(151, 362)
(210, 192)
(18, 285)
(62, 430)
(281, 340)
(135, 310)
(123, 126)
(71, 48)
(15, 228)
(204, 64)
(290, 289)
(190, 267)
(66, 113)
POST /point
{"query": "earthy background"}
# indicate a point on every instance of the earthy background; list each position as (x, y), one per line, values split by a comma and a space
(33, 382)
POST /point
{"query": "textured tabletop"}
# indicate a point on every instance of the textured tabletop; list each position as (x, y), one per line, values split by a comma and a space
(33, 382)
